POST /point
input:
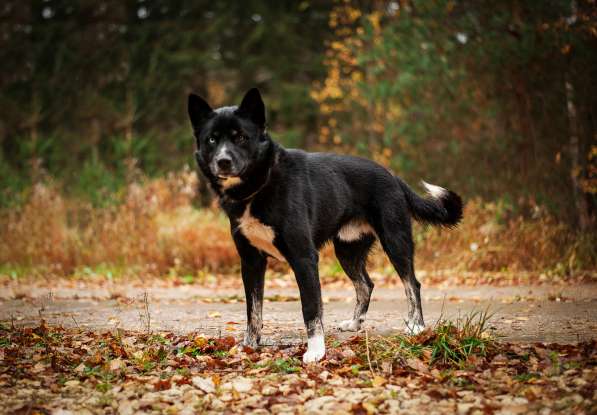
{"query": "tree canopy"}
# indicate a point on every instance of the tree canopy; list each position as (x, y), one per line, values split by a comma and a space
(495, 99)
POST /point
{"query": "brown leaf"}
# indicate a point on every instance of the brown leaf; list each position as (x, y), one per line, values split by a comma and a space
(205, 384)
(417, 364)
(225, 343)
(200, 341)
(358, 409)
(369, 407)
(499, 359)
(378, 381)
(242, 384)
(117, 364)
(162, 384)
(435, 394)
(183, 381)
(386, 367)
(247, 349)
(95, 360)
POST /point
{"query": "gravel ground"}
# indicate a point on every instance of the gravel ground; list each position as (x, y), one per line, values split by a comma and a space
(520, 314)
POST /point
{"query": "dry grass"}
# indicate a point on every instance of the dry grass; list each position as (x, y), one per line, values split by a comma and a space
(448, 344)
(493, 238)
(157, 231)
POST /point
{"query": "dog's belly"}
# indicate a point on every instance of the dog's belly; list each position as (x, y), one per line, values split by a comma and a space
(354, 230)
(261, 236)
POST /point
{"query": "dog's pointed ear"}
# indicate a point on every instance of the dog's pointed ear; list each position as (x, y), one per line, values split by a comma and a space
(199, 111)
(252, 107)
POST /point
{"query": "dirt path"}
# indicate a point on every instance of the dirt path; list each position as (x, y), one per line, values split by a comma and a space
(521, 314)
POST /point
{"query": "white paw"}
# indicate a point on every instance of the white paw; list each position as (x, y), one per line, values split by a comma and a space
(250, 341)
(315, 349)
(312, 356)
(349, 325)
(414, 328)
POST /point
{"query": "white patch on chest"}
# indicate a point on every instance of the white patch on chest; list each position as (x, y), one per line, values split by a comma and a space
(261, 236)
(353, 231)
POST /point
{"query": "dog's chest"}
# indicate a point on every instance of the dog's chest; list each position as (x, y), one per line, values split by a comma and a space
(261, 236)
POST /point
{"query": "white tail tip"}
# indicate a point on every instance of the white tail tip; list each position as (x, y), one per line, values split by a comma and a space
(435, 191)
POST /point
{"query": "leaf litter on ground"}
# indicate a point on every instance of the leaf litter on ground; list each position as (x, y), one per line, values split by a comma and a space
(452, 367)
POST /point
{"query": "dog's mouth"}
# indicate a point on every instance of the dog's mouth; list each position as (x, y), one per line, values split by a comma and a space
(229, 175)
(233, 171)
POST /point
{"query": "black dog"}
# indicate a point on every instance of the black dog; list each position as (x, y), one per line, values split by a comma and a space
(287, 203)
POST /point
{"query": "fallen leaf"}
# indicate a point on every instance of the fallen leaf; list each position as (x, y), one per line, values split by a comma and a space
(417, 364)
(38, 367)
(162, 384)
(378, 381)
(225, 343)
(117, 364)
(200, 341)
(205, 384)
(242, 384)
(369, 407)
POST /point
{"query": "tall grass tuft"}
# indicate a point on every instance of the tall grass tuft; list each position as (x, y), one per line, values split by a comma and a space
(449, 344)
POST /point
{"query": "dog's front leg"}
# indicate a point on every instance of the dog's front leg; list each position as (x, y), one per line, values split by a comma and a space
(253, 264)
(253, 280)
(307, 277)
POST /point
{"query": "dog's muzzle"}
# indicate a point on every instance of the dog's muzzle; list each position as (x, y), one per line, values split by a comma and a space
(223, 163)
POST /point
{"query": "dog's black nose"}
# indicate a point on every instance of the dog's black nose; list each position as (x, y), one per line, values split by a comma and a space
(224, 163)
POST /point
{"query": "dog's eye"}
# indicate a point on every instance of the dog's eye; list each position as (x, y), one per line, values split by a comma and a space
(240, 138)
(211, 140)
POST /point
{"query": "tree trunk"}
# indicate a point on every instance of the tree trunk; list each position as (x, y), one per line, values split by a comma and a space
(35, 162)
(130, 162)
(576, 155)
(205, 196)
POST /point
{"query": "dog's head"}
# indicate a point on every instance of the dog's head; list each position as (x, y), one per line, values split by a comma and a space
(231, 141)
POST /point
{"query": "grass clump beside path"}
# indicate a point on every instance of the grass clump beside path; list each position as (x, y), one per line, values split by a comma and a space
(446, 345)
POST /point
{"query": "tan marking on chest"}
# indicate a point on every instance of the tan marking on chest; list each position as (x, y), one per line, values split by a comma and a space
(261, 236)
(229, 182)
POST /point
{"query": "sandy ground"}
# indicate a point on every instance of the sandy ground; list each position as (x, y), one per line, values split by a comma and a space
(520, 314)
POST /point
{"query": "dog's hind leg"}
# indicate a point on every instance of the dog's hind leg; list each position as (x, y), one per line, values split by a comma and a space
(353, 259)
(396, 240)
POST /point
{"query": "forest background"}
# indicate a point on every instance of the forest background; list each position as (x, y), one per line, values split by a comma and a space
(495, 100)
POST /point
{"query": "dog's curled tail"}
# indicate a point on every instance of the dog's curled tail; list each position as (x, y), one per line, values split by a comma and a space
(443, 207)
